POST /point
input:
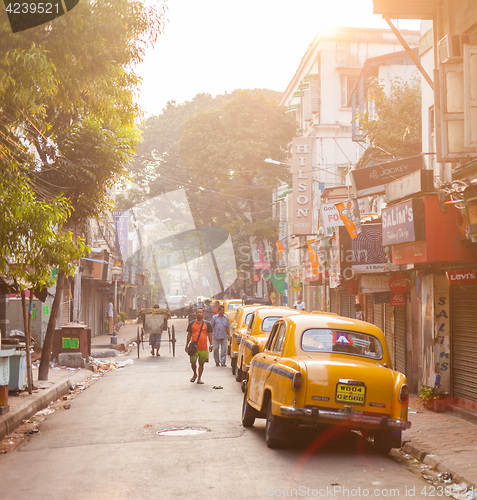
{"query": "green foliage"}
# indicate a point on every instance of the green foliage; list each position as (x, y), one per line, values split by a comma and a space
(396, 125)
(122, 316)
(427, 397)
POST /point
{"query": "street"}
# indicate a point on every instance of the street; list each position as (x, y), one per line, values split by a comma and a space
(107, 445)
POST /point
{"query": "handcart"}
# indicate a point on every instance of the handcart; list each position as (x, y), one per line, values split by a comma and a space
(154, 322)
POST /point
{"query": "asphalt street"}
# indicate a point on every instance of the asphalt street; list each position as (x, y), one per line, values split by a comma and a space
(145, 431)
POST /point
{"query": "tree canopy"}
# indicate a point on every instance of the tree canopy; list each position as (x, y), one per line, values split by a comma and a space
(395, 126)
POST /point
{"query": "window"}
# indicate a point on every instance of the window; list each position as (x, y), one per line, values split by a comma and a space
(267, 323)
(341, 341)
(347, 84)
(279, 339)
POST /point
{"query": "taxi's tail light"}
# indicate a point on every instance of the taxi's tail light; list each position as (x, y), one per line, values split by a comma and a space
(404, 393)
(297, 381)
(255, 349)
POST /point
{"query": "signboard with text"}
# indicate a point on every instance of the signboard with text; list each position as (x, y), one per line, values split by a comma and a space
(404, 222)
(302, 219)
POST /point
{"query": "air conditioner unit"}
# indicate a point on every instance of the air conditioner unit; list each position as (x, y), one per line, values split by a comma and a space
(450, 48)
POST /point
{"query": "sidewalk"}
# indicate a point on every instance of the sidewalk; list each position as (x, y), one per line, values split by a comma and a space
(60, 381)
(444, 441)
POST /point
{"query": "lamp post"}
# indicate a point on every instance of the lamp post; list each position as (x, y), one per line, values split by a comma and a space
(115, 271)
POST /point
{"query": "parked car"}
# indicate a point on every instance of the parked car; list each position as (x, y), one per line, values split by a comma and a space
(326, 370)
(231, 306)
(258, 330)
(239, 327)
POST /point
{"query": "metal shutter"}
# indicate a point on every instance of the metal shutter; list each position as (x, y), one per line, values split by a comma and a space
(378, 317)
(400, 338)
(344, 304)
(369, 308)
(464, 341)
(388, 330)
(352, 310)
(333, 301)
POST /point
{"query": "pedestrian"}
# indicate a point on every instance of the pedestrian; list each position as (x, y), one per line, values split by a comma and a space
(199, 331)
(110, 315)
(155, 339)
(220, 336)
(191, 312)
(208, 310)
(359, 311)
(299, 304)
(216, 307)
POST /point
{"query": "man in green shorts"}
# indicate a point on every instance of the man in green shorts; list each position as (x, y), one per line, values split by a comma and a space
(202, 353)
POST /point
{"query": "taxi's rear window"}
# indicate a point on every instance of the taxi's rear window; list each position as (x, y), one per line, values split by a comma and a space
(231, 306)
(341, 341)
(267, 323)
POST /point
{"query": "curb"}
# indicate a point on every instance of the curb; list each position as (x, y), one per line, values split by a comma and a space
(435, 462)
(11, 421)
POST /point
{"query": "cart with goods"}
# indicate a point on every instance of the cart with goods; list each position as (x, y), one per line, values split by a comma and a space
(155, 323)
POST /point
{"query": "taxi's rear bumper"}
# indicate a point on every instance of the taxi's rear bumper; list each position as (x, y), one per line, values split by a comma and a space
(345, 417)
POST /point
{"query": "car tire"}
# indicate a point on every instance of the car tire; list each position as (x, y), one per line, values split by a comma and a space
(239, 376)
(233, 363)
(274, 429)
(248, 413)
(384, 441)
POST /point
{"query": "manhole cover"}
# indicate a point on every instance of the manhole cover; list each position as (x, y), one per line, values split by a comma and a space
(181, 432)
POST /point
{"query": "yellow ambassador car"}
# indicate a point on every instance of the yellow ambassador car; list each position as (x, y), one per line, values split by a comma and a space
(239, 327)
(326, 370)
(259, 328)
(231, 307)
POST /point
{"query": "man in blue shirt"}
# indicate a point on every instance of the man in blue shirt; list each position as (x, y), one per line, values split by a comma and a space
(220, 334)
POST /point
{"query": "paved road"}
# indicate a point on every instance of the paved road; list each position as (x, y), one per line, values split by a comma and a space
(107, 446)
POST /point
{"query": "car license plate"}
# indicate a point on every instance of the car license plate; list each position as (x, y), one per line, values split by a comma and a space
(346, 393)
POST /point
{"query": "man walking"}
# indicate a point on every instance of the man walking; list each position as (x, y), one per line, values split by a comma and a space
(220, 334)
(199, 331)
(110, 314)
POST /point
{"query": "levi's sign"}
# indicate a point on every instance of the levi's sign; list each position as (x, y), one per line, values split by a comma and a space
(403, 223)
(461, 276)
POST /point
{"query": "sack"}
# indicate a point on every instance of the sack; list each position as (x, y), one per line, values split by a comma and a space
(192, 348)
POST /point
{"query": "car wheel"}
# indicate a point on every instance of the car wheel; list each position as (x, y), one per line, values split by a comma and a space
(233, 362)
(274, 429)
(239, 376)
(384, 441)
(248, 413)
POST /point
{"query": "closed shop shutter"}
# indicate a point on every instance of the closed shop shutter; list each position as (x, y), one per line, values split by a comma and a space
(400, 337)
(344, 304)
(464, 341)
(369, 308)
(65, 311)
(352, 310)
(388, 330)
(378, 316)
(333, 301)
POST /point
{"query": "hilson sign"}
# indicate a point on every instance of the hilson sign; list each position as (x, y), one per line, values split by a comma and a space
(302, 185)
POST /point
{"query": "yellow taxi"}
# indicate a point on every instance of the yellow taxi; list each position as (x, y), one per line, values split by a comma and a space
(324, 370)
(238, 328)
(256, 336)
(231, 306)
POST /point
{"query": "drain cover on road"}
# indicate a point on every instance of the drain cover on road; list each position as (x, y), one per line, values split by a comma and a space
(182, 432)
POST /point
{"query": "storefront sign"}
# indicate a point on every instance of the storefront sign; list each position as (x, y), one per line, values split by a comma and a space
(367, 250)
(296, 285)
(403, 223)
(399, 284)
(382, 297)
(372, 180)
(330, 217)
(373, 284)
(421, 181)
(302, 185)
(461, 277)
(398, 299)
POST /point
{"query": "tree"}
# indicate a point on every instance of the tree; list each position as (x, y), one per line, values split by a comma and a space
(396, 124)
(67, 107)
(225, 150)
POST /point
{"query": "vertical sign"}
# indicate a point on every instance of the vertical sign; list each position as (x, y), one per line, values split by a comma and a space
(122, 228)
(302, 185)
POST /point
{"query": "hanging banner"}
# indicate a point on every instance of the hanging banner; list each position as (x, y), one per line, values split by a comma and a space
(349, 212)
(281, 253)
(121, 218)
(302, 186)
(312, 251)
(260, 253)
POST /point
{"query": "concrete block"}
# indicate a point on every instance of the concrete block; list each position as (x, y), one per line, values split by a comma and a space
(104, 353)
(71, 359)
(432, 460)
(414, 450)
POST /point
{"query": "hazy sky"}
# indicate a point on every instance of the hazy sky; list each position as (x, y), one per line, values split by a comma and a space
(216, 46)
